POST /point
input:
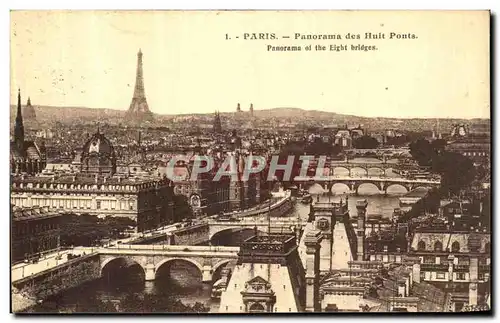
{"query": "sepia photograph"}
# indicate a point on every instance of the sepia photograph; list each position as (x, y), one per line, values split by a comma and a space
(250, 162)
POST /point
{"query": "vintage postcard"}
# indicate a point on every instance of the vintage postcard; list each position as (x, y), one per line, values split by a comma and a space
(250, 161)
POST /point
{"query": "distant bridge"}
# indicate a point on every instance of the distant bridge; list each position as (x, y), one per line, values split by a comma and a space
(365, 168)
(354, 182)
(378, 151)
(273, 224)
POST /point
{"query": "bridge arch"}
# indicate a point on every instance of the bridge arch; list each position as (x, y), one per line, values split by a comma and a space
(217, 268)
(112, 259)
(375, 171)
(396, 189)
(359, 171)
(389, 172)
(341, 171)
(420, 187)
(170, 260)
(316, 188)
(340, 188)
(235, 230)
(220, 263)
(368, 184)
(131, 262)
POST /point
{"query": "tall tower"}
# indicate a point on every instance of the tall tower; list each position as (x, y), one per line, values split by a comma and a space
(251, 109)
(139, 110)
(19, 127)
(217, 123)
(29, 111)
(238, 108)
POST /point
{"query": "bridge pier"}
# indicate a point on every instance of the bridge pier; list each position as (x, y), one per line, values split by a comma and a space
(207, 274)
(149, 271)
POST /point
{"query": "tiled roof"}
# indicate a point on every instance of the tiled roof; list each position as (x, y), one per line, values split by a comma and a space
(21, 214)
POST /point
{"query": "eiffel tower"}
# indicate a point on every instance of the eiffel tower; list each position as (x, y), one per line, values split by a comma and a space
(139, 110)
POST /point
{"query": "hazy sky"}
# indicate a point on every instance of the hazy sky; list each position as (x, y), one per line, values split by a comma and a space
(89, 59)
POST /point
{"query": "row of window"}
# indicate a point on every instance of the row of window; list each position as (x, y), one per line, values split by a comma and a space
(443, 260)
(455, 246)
(444, 275)
(77, 186)
(473, 153)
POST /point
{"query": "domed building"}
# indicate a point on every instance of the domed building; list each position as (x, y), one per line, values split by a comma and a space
(98, 156)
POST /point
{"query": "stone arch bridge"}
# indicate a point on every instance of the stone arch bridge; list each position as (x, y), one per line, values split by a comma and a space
(353, 183)
(364, 168)
(207, 259)
(280, 225)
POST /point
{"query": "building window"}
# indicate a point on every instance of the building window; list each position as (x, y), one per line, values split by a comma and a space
(455, 247)
(422, 276)
(98, 205)
(440, 275)
(421, 245)
(438, 246)
(429, 260)
(460, 276)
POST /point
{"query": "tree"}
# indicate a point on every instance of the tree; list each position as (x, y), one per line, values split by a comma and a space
(365, 142)
(398, 141)
(81, 230)
(320, 148)
(457, 172)
(422, 151)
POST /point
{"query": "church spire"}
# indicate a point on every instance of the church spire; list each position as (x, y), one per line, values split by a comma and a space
(217, 123)
(19, 127)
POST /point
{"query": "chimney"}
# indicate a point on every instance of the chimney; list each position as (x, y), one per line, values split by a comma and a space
(361, 207)
(312, 242)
